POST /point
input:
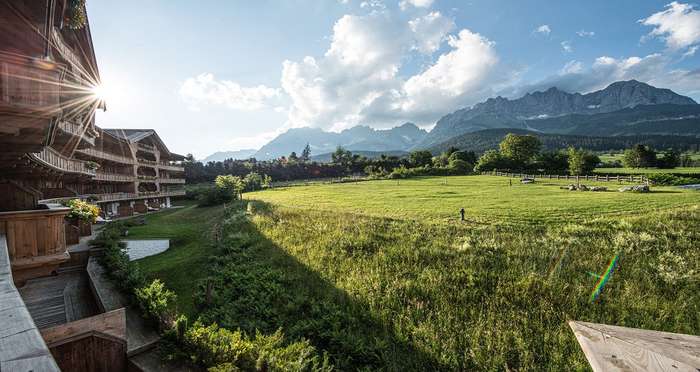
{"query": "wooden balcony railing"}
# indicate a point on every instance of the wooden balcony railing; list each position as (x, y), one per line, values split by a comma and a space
(116, 177)
(29, 85)
(54, 159)
(171, 180)
(150, 163)
(144, 177)
(98, 154)
(171, 167)
(78, 130)
(145, 147)
(35, 241)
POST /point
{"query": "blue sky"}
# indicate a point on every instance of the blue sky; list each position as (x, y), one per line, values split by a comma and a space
(227, 75)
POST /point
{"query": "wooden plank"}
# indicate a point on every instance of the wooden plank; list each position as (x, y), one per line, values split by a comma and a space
(613, 348)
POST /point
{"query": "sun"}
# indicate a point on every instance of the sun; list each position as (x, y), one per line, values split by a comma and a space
(100, 92)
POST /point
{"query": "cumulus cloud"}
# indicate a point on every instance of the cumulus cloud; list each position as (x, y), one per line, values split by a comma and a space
(584, 33)
(544, 29)
(358, 79)
(206, 89)
(566, 46)
(678, 25)
(415, 3)
(430, 31)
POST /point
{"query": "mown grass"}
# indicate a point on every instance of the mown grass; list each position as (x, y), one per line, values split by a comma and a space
(486, 199)
(180, 266)
(378, 293)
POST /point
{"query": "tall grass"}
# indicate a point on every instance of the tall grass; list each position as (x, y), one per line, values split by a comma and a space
(381, 293)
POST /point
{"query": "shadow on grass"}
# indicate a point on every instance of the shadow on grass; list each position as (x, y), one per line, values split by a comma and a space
(255, 285)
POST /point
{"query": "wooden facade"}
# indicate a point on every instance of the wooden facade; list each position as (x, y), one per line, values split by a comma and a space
(51, 150)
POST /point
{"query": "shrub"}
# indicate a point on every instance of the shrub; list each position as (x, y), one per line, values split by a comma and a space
(156, 301)
(459, 166)
(225, 350)
(83, 210)
(214, 196)
(665, 179)
(492, 160)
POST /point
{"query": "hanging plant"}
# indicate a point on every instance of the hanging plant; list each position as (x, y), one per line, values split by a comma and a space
(81, 210)
(76, 18)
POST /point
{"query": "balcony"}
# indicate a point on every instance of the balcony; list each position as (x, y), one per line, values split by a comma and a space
(114, 177)
(145, 147)
(35, 241)
(146, 178)
(29, 86)
(98, 154)
(53, 159)
(171, 180)
(170, 167)
(78, 130)
(145, 162)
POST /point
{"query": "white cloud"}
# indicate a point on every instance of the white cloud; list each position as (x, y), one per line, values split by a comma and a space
(571, 67)
(205, 89)
(691, 51)
(584, 33)
(566, 46)
(430, 30)
(678, 25)
(544, 29)
(415, 3)
(358, 80)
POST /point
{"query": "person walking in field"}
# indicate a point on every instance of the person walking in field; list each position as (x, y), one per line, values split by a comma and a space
(461, 213)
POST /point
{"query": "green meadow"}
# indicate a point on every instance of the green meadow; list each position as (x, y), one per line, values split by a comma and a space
(486, 199)
(382, 275)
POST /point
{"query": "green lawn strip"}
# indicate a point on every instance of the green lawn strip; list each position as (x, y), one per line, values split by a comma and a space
(185, 262)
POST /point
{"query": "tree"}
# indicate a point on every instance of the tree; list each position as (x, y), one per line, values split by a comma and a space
(639, 156)
(306, 153)
(555, 162)
(670, 160)
(467, 156)
(581, 161)
(492, 160)
(293, 157)
(420, 158)
(230, 184)
(520, 149)
(342, 157)
(460, 166)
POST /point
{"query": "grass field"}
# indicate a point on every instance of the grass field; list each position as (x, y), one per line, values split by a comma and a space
(679, 170)
(381, 275)
(486, 199)
(188, 228)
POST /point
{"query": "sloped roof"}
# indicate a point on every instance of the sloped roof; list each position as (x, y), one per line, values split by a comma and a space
(135, 135)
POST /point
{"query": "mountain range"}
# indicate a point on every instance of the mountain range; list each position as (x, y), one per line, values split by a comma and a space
(624, 108)
(527, 112)
(235, 155)
(358, 138)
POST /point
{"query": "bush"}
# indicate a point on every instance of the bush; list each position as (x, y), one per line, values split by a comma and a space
(156, 302)
(215, 196)
(225, 350)
(83, 210)
(665, 179)
(492, 160)
(459, 166)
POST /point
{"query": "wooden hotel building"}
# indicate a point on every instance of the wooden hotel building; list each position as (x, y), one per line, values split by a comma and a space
(51, 150)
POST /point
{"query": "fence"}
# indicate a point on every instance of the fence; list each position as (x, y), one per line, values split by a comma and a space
(597, 178)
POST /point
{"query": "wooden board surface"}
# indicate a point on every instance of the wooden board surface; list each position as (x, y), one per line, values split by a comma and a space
(612, 348)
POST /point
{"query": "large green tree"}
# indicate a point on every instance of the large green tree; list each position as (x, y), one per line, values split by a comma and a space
(520, 149)
(420, 158)
(581, 161)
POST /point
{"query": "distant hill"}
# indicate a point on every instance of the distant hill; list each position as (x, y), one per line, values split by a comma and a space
(490, 138)
(325, 158)
(528, 111)
(358, 138)
(236, 155)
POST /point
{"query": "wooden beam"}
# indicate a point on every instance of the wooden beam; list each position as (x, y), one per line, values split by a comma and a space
(612, 348)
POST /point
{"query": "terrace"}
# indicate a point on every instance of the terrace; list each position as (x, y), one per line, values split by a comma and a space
(53, 159)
